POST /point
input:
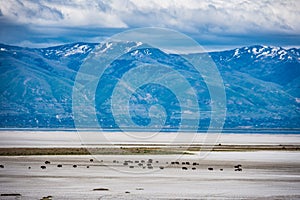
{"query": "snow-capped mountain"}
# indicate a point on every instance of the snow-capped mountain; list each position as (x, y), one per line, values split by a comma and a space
(262, 85)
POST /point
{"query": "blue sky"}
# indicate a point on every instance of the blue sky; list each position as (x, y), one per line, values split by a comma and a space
(215, 24)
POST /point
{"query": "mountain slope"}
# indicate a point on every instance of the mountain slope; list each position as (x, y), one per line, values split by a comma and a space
(262, 86)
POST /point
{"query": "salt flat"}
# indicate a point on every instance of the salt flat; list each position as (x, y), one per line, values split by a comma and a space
(76, 139)
(264, 175)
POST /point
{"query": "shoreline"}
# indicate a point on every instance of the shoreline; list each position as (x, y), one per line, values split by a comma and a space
(154, 149)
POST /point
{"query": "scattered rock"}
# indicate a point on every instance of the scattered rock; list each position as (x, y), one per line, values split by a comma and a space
(161, 167)
(101, 189)
(10, 195)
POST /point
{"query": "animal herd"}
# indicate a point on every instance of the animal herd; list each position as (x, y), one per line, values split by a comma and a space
(147, 164)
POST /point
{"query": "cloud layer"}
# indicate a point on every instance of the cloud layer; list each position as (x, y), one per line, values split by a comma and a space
(207, 20)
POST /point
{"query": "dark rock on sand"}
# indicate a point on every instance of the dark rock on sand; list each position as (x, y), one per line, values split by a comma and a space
(101, 189)
(11, 195)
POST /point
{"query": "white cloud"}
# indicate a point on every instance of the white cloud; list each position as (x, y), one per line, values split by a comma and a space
(208, 16)
(210, 22)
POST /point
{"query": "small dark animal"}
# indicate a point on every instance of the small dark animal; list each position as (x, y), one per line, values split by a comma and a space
(47, 162)
(237, 166)
(59, 165)
(43, 167)
(184, 168)
(238, 169)
(193, 168)
(210, 169)
(91, 160)
(161, 167)
(1, 166)
(74, 166)
(187, 163)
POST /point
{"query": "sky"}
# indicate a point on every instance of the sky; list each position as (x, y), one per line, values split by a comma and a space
(214, 24)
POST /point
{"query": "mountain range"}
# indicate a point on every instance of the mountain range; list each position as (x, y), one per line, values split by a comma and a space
(262, 86)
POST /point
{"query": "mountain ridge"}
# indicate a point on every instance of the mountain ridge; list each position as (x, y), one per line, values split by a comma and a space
(261, 83)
